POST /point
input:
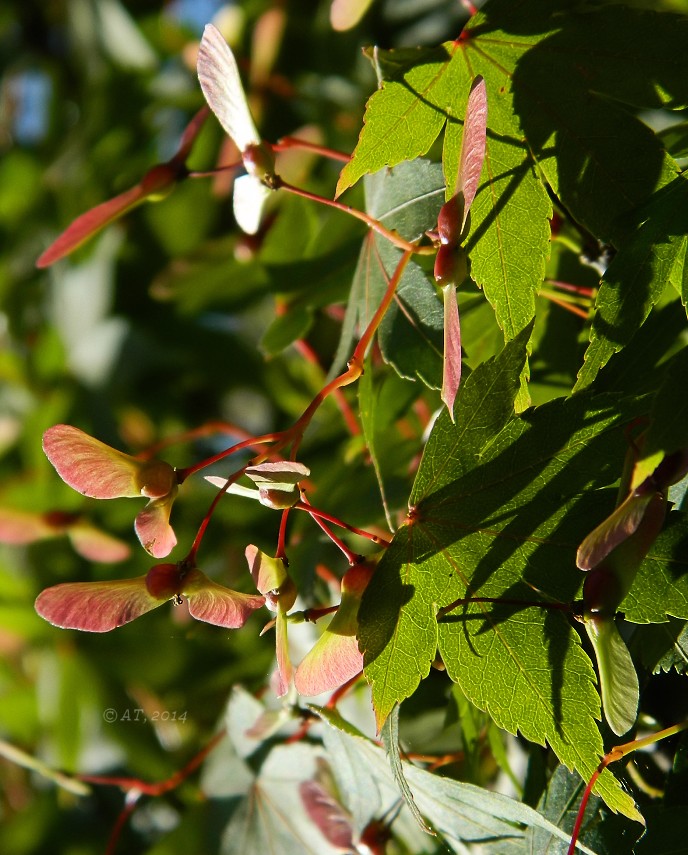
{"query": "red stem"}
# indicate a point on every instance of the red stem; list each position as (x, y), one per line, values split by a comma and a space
(207, 429)
(161, 787)
(286, 143)
(118, 827)
(305, 505)
(347, 413)
(582, 313)
(584, 803)
(352, 557)
(183, 474)
(576, 289)
(371, 222)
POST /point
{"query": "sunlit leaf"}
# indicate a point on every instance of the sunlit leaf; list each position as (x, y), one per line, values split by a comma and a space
(462, 813)
(487, 520)
(335, 657)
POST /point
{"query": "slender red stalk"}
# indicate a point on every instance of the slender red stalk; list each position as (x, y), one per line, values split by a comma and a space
(313, 615)
(281, 551)
(582, 313)
(128, 809)
(339, 693)
(584, 803)
(207, 429)
(352, 557)
(576, 289)
(392, 236)
(305, 505)
(161, 787)
(183, 474)
(617, 753)
(285, 143)
(347, 413)
(191, 557)
(135, 788)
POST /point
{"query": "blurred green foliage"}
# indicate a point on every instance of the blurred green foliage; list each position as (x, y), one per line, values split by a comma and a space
(165, 322)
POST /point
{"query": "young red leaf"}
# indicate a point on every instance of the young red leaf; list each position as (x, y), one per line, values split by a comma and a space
(154, 185)
(220, 81)
(101, 472)
(103, 606)
(345, 14)
(20, 527)
(152, 526)
(335, 657)
(277, 482)
(285, 672)
(451, 365)
(96, 545)
(272, 580)
(90, 223)
(612, 531)
(281, 475)
(89, 466)
(249, 201)
(327, 814)
(472, 146)
(213, 603)
(96, 606)
(269, 575)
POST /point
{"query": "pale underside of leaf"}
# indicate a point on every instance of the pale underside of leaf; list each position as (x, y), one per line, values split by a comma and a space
(220, 81)
(249, 201)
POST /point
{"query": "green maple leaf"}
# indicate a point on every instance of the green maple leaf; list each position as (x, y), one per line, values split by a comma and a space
(560, 78)
(497, 510)
(408, 199)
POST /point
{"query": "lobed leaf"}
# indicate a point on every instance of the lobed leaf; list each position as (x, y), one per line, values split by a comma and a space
(490, 517)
